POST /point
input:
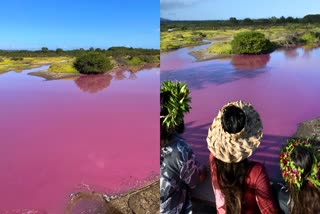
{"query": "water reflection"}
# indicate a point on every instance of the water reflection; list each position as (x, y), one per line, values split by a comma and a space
(308, 49)
(93, 83)
(121, 74)
(291, 53)
(99, 82)
(249, 61)
(217, 74)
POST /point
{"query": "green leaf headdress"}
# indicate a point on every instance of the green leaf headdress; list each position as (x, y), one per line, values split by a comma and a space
(176, 101)
(292, 173)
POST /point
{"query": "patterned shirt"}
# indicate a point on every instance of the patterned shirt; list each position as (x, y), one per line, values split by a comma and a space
(179, 171)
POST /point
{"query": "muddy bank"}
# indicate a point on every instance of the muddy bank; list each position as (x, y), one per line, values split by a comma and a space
(48, 75)
(143, 200)
(53, 76)
(24, 68)
(204, 54)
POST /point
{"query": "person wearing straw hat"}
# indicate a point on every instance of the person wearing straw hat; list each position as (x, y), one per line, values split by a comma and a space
(179, 168)
(240, 185)
(300, 170)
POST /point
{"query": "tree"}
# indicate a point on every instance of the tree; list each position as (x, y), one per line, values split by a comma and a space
(59, 50)
(282, 20)
(273, 20)
(247, 21)
(92, 63)
(250, 42)
(290, 19)
(44, 49)
(233, 20)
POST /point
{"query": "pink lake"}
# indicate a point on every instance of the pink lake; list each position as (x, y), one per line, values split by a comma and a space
(59, 137)
(282, 86)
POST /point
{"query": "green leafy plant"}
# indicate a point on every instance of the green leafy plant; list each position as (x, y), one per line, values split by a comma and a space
(176, 102)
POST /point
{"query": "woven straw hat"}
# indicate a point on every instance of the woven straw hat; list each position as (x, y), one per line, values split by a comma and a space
(233, 148)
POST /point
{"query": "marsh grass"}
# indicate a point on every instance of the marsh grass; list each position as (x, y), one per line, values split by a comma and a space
(7, 64)
(65, 66)
(222, 47)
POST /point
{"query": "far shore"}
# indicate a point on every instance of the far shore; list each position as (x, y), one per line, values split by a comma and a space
(204, 54)
(49, 75)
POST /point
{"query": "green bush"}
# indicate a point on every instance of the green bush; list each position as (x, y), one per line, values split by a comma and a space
(250, 42)
(135, 61)
(92, 63)
(309, 37)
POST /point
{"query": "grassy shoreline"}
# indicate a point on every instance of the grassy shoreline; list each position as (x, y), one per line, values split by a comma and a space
(282, 36)
(62, 67)
(50, 75)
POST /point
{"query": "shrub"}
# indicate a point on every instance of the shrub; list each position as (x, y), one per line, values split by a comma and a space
(309, 37)
(92, 63)
(221, 48)
(135, 61)
(173, 46)
(1, 60)
(250, 42)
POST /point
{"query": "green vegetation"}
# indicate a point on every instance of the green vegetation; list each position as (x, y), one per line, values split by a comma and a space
(176, 100)
(282, 32)
(135, 61)
(309, 37)
(250, 42)
(92, 63)
(222, 47)
(234, 23)
(61, 60)
(176, 40)
(65, 66)
(12, 63)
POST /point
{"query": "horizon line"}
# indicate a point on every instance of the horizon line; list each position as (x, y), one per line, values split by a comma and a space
(234, 17)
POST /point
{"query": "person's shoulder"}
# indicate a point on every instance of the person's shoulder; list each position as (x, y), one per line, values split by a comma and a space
(180, 142)
(256, 169)
(257, 165)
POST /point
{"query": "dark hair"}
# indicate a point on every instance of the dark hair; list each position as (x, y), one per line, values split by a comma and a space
(231, 176)
(233, 119)
(303, 200)
(231, 179)
(165, 133)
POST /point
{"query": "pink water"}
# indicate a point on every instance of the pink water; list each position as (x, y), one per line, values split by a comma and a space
(59, 137)
(283, 87)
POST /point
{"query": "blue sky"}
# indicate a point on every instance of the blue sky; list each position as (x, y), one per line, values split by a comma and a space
(69, 24)
(224, 9)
